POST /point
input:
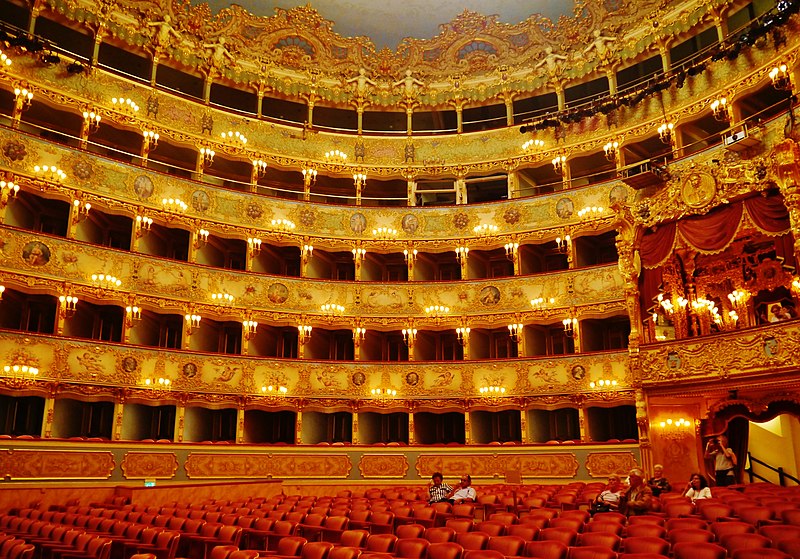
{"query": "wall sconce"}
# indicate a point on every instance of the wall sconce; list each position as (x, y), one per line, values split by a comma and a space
(384, 233)
(409, 335)
(157, 384)
(105, 281)
(143, 224)
(259, 167)
(462, 334)
(590, 212)
(719, 108)
(5, 60)
(174, 205)
(610, 150)
(533, 145)
(665, 303)
(207, 155)
(332, 309)
(558, 164)
(382, 393)
(515, 331)
(282, 225)
(303, 334)
(492, 392)
(665, 132)
(271, 390)
(738, 297)
(511, 250)
(680, 423)
(8, 190)
(603, 383)
(359, 253)
(359, 334)
(540, 302)
(192, 323)
(461, 254)
(254, 245)
(50, 173)
(92, 121)
(485, 229)
(675, 429)
(410, 255)
(132, 314)
(360, 179)
(250, 329)
(19, 376)
(780, 77)
(222, 298)
(23, 98)
(125, 105)
(562, 244)
(336, 156)
(309, 175)
(234, 137)
(150, 140)
(569, 326)
(706, 309)
(202, 238)
(436, 311)
(68, 305)
(306, 252)
(81, 210)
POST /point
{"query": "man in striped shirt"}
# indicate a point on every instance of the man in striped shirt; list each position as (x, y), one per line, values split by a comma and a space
(438, 490)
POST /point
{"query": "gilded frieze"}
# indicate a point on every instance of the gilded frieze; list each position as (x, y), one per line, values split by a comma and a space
(149, 465)
(383, 466)
(299, 466)
(55, 464)
(604, 464)
(543, 465)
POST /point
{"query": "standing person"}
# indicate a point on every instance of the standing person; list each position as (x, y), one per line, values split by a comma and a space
(638, 499)
(658, 483)
(463, 492)
(724, 460)
(697, 488)
(608, 499)
(437, 490)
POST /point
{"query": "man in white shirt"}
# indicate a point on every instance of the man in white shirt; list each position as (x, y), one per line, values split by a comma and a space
(463, 492)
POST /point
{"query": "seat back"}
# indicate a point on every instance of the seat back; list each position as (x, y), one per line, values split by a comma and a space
(646, 544)
(409, 531)
(344, 552)
(460, 525)
(548, 549)
(698, 550)
(689, 535)
(290, 546)
(472, 540)
(354, 538)
(507, 545)
(645, 531)
(440, 534)
(599, 539)
(244, 554)
(381, 543)
(411, 548)
(222, 551)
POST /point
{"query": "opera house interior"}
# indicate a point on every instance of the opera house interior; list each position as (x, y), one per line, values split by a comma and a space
(256, 254)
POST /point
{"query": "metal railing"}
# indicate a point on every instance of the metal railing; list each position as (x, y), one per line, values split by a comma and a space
(782, 475)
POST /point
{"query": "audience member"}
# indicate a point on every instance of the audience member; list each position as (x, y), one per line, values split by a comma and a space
(638, 499)
(463, 492)
(658, 483)
(437, 490)
(697, 488)
(724, 460)
(608, 499)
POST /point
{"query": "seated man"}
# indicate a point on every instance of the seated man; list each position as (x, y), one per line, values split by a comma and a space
(638, 499)
(437, 490)
(463, 492)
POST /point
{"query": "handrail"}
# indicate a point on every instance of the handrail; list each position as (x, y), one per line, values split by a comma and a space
(782, 475)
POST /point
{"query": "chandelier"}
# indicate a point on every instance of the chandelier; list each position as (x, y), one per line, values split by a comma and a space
(359, 334)
(359, 253)
(150, 140)
(234, 137)
(157, 384)
(4, 59)
(485, 229)
(461, 254)
(675, 429)
(511, 250)
(143, 224)
(332, 309)
(533, 145)
(409, 335)
(384, 233)
(208, 156)
(105, 281)
(562, 244)
(610, 150)
(383, 393)
(603, 384)
(309, 174)
(540, 302)
(254, 245)
(569, 326)
(202, 238)
(282, 225)
(19, 376)
(259, 167)
(780, 77)
(50, 173)
(436, 311)
(222, 298)
(462, 334)
(132, 314)
(719, 108)
(558, 163)
(410, 255)
(174, 205)
(492, 393)
(665, 132)
(336, 156)
(2, 290)
(590, 212)
(81, 210)
(274, 390)
(125, 105)
(91, 121)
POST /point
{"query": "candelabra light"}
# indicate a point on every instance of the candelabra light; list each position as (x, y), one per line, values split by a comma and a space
(359, 178)
(157, 384)
(274, 390)
(485, 229)
(665, 132)
(384, 233)
(235, 137)
(283, 225)
(125, 105)
(222, 298)
(260, 167)
(19, 375)
(409, 335)
(780, 77)
(675, 429)
(461, 254)
(359, 253)
(680, 423)
(332, 309)
(150, 140)
(540, 302)
(23, 98)
(174, 205)
(336, 156)
(307, 252)
(250, 329)
(562, 243)
(719, 108)
(143, 224)
(359, 334)
(493, 392)
(511, 250)
(436, 311)
(303, 333)
(2, 290)
(5, 60)
(132, 314)
(558, 164)
(590, 212)
(8, 190)
(515, 331)
(192, 322)
(706, 309)
(254, 245)
(309, 175)
(81, 210)
(92, 121)
(533, 145)
(569, 326)
(207, 155)
(666, 303)
(202, 238)
(383, 392)
(68, 305)
(50, 173)
(410, 255)
(106, 281)
(462, 334)
(610, 150)
(603, 384)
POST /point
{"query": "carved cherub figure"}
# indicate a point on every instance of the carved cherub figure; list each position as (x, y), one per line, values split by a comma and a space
(361, 81)
(408, 84)
(600, 45)
(164, 31)
(551, 62)
(220, 53)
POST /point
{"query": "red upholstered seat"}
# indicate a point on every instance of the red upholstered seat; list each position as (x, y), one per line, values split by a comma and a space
(698, 550)
(646, 545)
(591, 552)
(444, 550)
(549, 549)
(472, 540)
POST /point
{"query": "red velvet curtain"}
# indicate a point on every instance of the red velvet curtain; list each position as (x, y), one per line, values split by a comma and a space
(656, 246)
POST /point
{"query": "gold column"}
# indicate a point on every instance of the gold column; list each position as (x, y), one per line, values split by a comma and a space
(411, 437)
(49, 410)
(611, 76)
(298, 434)
(562, 102)
(512, 184)
(523, 426)
(508, 100)
(180, 421)
(355, 427)
(119, 408)
(663, 50)
(467, 427)
(409, 120)
(642, 421)
(240, 423)
(786, 157)
(583, 421)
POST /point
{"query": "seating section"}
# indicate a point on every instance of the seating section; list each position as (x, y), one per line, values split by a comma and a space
(757, 521)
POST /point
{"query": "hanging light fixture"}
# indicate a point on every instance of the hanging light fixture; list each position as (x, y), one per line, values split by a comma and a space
(610, 150)
(780, 77)
(719, 108)
(558, 164)
(665, 133)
